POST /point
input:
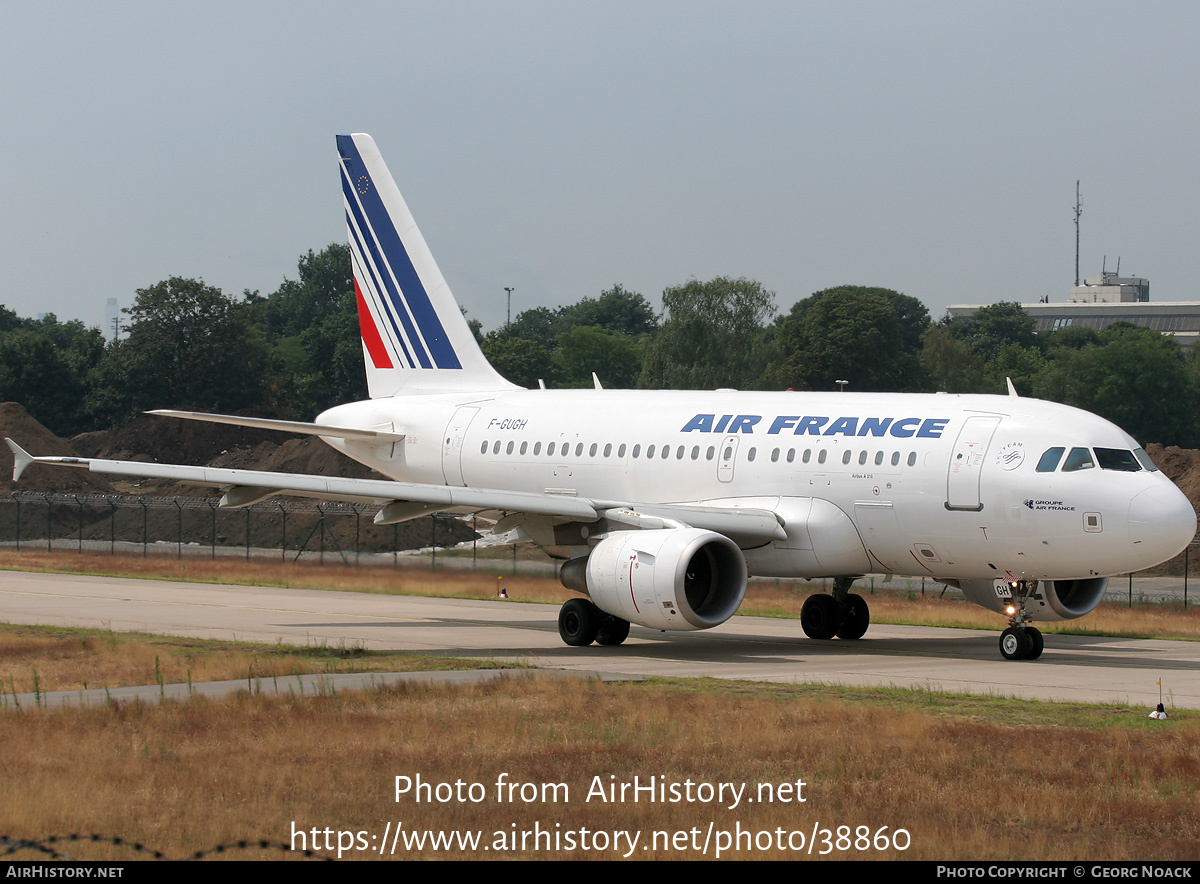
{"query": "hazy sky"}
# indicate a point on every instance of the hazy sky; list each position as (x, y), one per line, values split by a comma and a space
(563, 147)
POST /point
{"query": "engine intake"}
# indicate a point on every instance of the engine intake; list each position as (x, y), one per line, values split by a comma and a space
(677, 578)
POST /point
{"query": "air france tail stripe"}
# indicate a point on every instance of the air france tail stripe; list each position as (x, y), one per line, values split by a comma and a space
(398, 261)
(386, 308)
(370, 334)
(392, 305)
(365, 273)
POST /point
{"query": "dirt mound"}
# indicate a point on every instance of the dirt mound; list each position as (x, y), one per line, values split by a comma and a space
(1181, 466)
(305, 455)
(17, 424)
(170, 440)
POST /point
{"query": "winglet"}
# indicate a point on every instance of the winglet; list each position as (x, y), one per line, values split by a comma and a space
(1012, 391)
(21, 459)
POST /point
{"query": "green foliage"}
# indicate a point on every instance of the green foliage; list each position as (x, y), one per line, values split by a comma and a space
(521, 361)
(1134, 377)
(616, 358)
(870, 337)
(188, 346)
(713, 336)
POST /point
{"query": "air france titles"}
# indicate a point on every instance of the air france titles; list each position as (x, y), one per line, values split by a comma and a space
(807, 425)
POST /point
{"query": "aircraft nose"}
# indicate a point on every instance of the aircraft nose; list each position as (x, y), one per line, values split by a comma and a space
(1161, 522)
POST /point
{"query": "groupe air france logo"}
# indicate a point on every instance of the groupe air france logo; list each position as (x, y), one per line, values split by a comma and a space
(1011, 456)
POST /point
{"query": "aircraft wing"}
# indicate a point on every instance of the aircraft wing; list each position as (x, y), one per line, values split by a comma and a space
(405, 500)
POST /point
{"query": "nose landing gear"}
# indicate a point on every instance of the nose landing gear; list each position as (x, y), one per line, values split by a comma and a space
(1021, 641)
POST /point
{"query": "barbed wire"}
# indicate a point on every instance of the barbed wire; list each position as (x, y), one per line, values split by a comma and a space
(43, 845)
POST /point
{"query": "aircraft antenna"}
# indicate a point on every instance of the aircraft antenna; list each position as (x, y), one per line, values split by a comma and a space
(1078, 212)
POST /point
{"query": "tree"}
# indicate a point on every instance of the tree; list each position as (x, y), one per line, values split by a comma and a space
(712, 336)
(616, 310)
(616, 358)
(993, 326)
(520, 361)
(1136, 378)
(852, 333)
(188, 346)
(325, 279)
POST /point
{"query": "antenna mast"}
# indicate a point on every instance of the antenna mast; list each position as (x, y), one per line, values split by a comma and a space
(1078, 212)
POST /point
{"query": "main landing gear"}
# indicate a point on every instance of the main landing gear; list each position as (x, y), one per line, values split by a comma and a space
(580, 623)
(843, 613)
(1020, 641)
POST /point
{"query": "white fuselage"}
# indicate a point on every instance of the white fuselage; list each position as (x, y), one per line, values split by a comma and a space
(942, 486)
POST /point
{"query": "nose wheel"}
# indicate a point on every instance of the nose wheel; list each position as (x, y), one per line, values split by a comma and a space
(1021, 641)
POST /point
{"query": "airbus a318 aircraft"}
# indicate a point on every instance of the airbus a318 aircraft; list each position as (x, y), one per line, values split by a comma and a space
(660, 504)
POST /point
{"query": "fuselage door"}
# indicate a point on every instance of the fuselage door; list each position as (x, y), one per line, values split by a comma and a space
(727, 457)
(966, 462)
(452, 444)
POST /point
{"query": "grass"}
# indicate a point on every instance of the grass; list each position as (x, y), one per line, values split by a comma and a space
(54, 658)
(964, 776)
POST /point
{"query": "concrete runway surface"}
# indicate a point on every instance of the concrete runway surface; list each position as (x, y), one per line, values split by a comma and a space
(1073, 668)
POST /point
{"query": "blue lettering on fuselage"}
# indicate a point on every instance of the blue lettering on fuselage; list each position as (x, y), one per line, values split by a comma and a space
(811, 425)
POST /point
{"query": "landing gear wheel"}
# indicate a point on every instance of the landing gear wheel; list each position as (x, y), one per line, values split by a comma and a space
(613, 631)
(578, 622)
(858, 618)
(821, 616)
(1015, 644)
(1039, 644)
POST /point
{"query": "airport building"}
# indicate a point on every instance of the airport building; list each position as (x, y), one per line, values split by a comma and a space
(1108, 298)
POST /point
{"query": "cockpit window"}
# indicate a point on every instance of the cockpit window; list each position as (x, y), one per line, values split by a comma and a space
(1049, 461)
(1078, 459)
(1144, 459)
(1117, 459)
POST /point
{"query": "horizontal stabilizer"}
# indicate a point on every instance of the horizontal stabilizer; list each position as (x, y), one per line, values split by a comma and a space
(307, 429)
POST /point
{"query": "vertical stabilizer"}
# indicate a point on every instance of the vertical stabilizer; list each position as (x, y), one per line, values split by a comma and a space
(415, 339)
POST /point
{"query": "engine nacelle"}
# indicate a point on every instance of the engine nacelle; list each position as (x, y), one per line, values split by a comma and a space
(674, 578)
(1051, 600)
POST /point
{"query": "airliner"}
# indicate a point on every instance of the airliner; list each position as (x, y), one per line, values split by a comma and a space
(661, 504)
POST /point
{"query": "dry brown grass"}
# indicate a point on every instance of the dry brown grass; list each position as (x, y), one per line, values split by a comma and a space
(184, 777)
(53, 659)
(782, 598)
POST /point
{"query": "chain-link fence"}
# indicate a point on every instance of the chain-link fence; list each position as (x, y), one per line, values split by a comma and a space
(288, 528)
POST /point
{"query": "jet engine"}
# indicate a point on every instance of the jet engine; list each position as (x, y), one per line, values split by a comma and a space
(1048, 600)
(673, 578)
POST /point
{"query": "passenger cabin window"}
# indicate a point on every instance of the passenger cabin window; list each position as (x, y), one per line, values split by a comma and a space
(1078, 459)
(1117, 459)
(1049, 461)
(846, 457)
(912, 458)
(821, 457)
